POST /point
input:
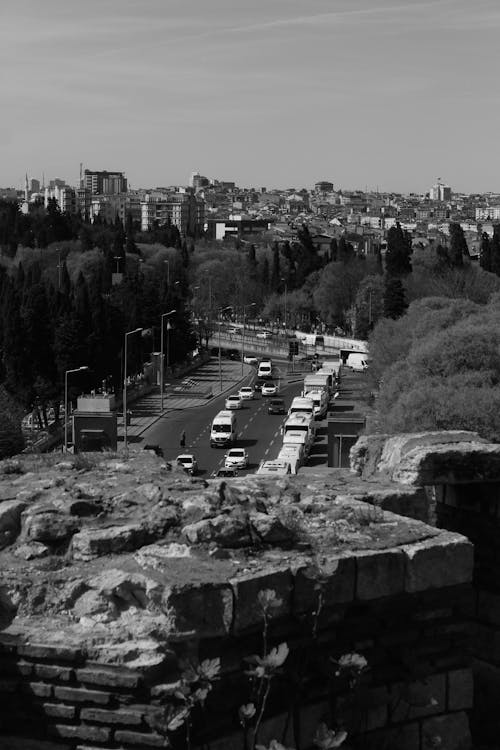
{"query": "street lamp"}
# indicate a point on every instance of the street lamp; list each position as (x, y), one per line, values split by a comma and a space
(168, 272)
(118, 259)
(221, 310)
(286, 289)
(68, 372)
(128, 333)
(251, 304)
(164, 315)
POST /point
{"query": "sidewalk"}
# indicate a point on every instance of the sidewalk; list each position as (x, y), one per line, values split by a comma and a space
(147, 410)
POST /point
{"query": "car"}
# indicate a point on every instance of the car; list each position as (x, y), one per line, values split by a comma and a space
(269, 389)
(248, 360)
(246, 393)
(263, 335)
(234, 331)
(155, 448)
(236, 458)
(233, 401)
(259, 383)
(225, 472)
(276, 406)
(188, 462)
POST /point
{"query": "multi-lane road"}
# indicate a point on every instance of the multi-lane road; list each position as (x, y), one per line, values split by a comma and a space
(259, 432)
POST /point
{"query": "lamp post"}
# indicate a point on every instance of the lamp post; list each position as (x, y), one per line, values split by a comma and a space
(127, 334)
(68, 372)
(251, 304)
(286, 289)
(221, 310)
(164, 315)
(168, 272)
(118, 259)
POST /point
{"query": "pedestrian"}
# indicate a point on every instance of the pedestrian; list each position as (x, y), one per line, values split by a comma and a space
(182, 441)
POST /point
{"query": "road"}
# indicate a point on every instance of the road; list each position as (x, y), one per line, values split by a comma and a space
(259, 432)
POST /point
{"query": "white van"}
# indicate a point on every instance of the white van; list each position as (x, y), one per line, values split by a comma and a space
(294, 454)
(223, 431)
(274, 468)
(320, 402)
(357, 361)
(320, 380)
(265, 369)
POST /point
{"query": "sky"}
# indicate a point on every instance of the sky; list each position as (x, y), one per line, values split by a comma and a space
(387, 94)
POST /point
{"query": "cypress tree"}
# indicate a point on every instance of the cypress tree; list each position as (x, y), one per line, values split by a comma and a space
(397, 256)
(485, 253)
(458, 249)
(395, 302)
(495, 250)
(276, 270)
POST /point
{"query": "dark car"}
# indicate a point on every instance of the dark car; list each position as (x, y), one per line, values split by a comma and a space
(276, 406)
(226, 473)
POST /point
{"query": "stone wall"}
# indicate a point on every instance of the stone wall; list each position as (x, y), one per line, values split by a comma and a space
(117, 588)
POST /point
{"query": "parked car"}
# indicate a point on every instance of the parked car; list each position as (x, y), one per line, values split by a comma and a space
(276, 406)
(188, 462)
(246, 393)
(226, 472)
(248, 360)
(233, 401)
(236, 458)
(269, 389)
(263, 335)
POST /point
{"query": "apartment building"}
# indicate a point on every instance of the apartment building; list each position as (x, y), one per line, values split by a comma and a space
(104, 182)
(182, 209)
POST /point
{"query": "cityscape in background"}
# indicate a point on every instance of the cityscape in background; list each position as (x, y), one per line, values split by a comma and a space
(220, 209)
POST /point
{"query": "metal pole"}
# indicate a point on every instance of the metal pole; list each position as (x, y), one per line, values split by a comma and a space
(220, 363)
(161, 365)
(124, 405)
(162, 369)
(66, 411)
(125, 434)
(243, 342)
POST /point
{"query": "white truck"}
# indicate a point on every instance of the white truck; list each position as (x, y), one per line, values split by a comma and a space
(274, 468)
(322, 379)
(224, 429)
(293, 454)
(299, 426)
(320, 402)
(301, 405)
(265, 369)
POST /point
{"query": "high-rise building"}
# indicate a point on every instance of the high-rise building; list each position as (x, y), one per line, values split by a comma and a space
(440, 192)
(104, 183)
(183, 210)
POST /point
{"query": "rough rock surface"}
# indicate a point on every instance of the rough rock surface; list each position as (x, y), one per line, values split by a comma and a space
(427, 458)
(121, 556)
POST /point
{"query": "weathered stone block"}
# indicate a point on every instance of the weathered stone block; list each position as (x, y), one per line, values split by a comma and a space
(488, 607)
(10, 521)
(102, 716)
(143, 740)
(460, 689)
(24, 743)
(90, 543)
(50, 672)
(79, 695)
(80, 732)
(446, 560)
(206, 610)
(333, 579)
(379, 574)
(53, 651)
(248, 611)
(452, 729)
(109, 676)
(404, 737)
(59, 711)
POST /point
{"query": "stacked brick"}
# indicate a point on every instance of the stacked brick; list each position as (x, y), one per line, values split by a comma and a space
(405, 609)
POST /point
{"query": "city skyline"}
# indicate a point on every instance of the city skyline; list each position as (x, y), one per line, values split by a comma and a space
(387, 95)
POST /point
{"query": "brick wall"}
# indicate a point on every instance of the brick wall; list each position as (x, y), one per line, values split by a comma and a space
(405, 609)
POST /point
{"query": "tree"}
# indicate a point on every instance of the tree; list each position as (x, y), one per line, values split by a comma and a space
(397, 256)
(495, 250)
(275, 270)
(458, 249)
(394, 298)
(485, 253)
(369, 305)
